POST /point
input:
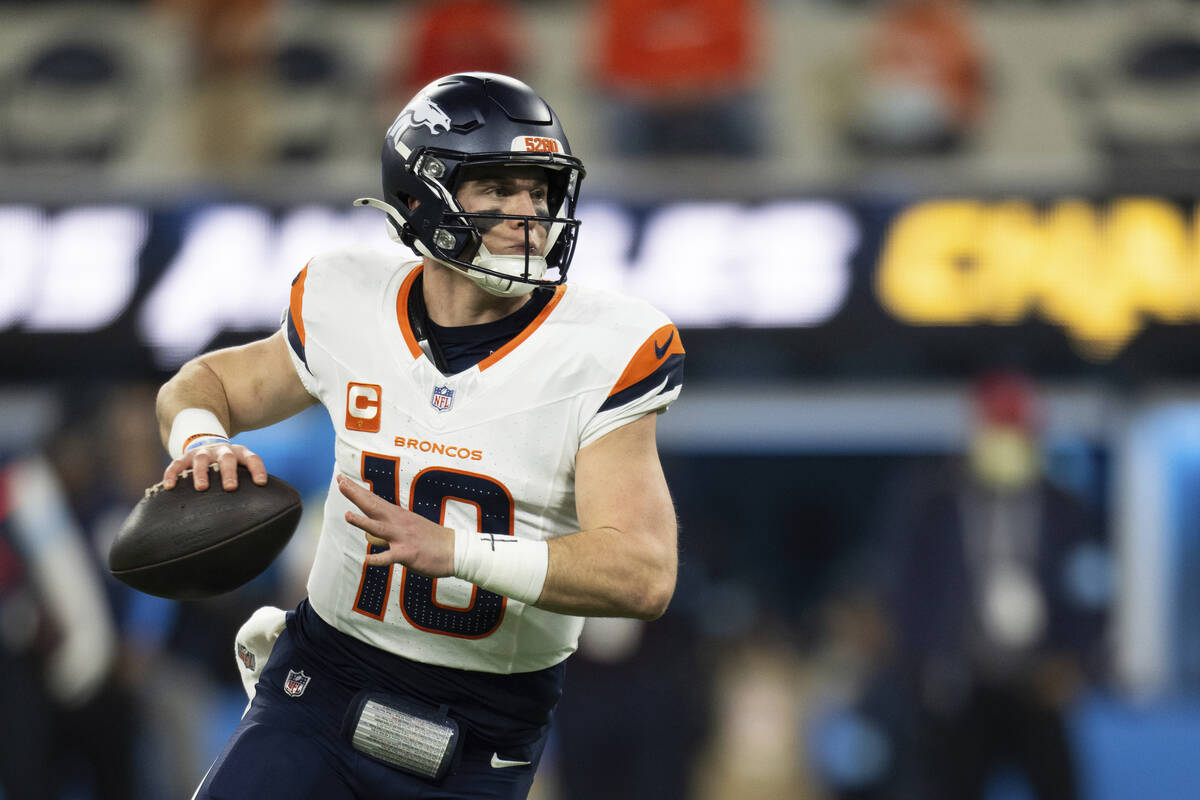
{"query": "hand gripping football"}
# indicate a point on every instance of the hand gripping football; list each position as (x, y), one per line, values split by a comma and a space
(184, 545)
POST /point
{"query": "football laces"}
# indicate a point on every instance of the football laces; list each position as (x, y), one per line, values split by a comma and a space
(187, 473)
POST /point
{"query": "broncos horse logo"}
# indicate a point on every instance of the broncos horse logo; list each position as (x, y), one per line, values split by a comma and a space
(421, 111)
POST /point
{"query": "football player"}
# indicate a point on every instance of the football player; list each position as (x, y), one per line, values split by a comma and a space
(496, 477)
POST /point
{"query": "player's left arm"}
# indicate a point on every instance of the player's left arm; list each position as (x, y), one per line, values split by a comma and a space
(624, 560)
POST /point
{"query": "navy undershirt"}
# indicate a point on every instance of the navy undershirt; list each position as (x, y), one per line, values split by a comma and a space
(464, 346)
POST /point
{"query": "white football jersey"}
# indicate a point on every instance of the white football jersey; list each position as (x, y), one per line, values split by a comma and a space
(490, 449)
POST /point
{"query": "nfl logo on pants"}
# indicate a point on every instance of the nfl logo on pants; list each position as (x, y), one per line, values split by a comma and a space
(296, 683)
(443, 398)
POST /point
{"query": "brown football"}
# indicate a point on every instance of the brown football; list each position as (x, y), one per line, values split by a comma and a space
(185, 545)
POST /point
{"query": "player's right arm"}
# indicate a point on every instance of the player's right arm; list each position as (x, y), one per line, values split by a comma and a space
(245, 387)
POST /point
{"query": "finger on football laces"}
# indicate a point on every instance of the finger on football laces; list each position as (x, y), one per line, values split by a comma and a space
(171, 475)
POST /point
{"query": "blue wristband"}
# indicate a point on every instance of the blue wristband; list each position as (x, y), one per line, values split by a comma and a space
(201, 439)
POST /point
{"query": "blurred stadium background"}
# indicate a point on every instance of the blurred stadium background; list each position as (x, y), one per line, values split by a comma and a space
(854, 210)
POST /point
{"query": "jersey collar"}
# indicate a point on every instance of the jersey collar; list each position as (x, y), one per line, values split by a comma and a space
(414, 346)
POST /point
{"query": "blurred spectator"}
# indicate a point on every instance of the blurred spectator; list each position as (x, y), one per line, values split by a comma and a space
(995, 585)
(87, 639)
(860, 729)
(310, 82)
(619, 710)
(447, 36)
(1139, 96)
(232, 49)
(680, 77)
(70, 102)
(754, 750)
(922, 90)
(65, 720)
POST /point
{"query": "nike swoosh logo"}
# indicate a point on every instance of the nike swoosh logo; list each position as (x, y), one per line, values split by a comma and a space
(501, 763)
(659, 352)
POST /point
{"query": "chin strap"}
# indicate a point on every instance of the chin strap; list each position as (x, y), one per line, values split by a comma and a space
(507, 265)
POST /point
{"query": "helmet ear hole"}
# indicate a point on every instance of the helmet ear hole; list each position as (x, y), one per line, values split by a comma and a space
(431, 168)
(444, 239)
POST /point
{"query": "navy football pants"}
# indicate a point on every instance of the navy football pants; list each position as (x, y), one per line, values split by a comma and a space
(292, 747)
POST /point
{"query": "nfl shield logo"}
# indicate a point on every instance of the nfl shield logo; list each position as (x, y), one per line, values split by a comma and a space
(296, 683)
(443, 398)
(245, 656)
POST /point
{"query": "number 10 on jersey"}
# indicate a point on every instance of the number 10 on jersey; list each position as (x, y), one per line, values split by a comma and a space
(431, 489)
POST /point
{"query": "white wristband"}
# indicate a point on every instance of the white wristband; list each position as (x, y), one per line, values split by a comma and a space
(191, 428)
(502, 564)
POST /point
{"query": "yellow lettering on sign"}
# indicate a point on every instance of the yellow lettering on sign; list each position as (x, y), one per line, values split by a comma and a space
(924, 272)
(1007, 244)
(1100, 273)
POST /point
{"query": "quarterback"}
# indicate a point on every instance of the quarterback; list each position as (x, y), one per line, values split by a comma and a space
(496, 477)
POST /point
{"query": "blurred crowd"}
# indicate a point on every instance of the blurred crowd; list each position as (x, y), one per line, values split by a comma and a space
(677, 77)
(215, 91)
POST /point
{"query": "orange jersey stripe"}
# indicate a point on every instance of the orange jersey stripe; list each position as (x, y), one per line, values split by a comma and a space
(529, 329)
(661, 345)
(296, 303)
(410, 338)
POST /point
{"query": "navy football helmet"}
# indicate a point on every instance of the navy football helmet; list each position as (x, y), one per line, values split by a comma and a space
(462, 121)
